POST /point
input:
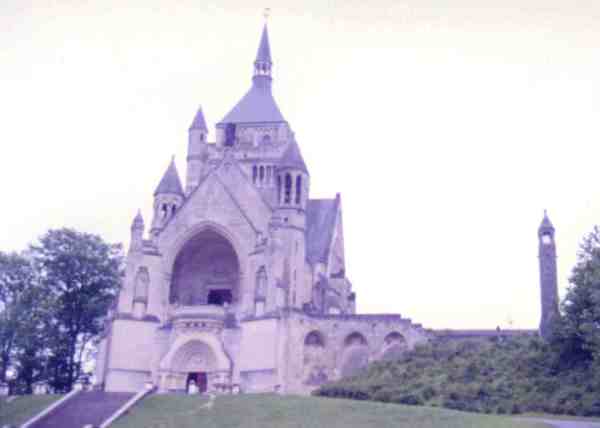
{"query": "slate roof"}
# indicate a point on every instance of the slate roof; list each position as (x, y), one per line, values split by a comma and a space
(321, 215)
(292, 158)
(199, 122)
(258, 105)
(170, 183)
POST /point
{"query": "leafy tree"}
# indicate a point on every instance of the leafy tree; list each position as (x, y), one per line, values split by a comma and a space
(82, 273)
(578, 333)
(17, 280)
(31, 350)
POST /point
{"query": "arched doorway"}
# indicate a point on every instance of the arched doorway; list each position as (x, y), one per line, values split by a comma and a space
(206, 271)
(195, 358)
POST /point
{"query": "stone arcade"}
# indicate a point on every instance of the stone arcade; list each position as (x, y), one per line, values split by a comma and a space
(242, 282)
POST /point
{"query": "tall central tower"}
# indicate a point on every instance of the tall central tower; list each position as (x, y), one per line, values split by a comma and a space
(548, 276)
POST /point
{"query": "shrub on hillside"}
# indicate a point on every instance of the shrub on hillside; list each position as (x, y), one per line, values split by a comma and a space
(510, 376)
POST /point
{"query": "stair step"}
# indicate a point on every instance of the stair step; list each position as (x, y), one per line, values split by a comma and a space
(85, 408)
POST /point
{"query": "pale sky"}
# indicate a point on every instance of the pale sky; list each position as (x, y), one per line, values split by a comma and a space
(447, 126)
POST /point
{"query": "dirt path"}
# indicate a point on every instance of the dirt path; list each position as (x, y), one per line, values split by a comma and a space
(565, 424)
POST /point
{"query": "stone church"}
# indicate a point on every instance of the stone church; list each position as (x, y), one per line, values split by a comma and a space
(241, 281)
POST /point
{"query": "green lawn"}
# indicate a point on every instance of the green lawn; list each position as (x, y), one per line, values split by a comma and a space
(272, 411)
(23, 407)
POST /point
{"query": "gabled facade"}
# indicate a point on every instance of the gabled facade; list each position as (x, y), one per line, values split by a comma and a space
(241, 282)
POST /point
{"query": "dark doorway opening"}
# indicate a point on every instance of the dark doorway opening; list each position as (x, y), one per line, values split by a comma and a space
(219, 297)
(199, 379)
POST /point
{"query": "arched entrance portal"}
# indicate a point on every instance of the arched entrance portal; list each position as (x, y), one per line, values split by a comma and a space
(194, 361)
(198, 359)
(206, 272)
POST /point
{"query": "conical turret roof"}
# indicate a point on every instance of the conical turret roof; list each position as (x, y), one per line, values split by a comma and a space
(292, 158)
(199, 122)
(546, 224)
(138, 221)
(170, 183)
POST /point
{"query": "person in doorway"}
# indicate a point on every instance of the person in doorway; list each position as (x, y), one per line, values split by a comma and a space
(192, 388)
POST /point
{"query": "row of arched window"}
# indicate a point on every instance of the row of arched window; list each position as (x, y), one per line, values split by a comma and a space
(316, 338)
(263, 174)
(287, 192)
(167, 210)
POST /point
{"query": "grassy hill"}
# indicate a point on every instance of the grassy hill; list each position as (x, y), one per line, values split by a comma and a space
(19, 410)
(273, 411)
(507, 376)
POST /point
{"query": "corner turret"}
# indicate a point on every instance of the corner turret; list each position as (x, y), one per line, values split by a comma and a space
(168, 197)
(292, 179)
(137, 233)
(197, 151)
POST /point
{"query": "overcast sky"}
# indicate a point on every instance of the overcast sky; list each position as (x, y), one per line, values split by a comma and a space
(447, 125)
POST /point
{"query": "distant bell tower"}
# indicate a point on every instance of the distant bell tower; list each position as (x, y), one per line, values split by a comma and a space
(548, 277)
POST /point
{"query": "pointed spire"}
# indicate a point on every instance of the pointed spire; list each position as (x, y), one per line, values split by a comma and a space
(258, 105)
(138, 221)
(264, 49)
(546, 225)
(263, 63)
(199, 122)
(170, 183)
(292, 158)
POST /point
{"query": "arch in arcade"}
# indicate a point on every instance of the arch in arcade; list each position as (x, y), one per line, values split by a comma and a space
(355, 355)
(394, 346)
(315, 370)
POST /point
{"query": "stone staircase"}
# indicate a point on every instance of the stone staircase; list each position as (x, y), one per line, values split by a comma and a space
(85, 408)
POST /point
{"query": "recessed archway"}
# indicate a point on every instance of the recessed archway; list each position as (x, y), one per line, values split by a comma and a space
(394, 346)
(206, 271)
(354, 360)
(354, 339)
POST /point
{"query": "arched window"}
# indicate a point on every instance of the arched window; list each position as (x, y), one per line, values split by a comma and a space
(314, 338)
(173, 209)
(288, 189)
(261, 174)
(298, 189)
(279, 188)
(229, 134)
(261, 284)
(254, 173)
(165, 210)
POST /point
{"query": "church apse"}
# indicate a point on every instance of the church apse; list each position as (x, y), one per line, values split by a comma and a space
(206, 272)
